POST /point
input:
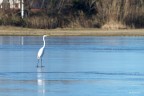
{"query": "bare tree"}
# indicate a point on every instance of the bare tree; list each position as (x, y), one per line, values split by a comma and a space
(42, 4)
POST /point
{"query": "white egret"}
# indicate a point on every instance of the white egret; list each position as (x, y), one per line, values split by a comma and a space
(41, 52)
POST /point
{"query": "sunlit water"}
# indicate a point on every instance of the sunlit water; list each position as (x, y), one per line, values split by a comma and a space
(74, 66)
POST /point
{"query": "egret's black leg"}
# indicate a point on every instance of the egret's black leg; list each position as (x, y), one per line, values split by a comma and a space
(41, 63)
(38, 63)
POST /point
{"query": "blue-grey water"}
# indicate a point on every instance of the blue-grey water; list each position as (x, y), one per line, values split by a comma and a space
(74, 66)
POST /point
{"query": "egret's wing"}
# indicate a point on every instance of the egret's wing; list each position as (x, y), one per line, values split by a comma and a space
(40, 53)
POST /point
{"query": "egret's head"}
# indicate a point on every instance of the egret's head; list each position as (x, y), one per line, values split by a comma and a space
(46, 35)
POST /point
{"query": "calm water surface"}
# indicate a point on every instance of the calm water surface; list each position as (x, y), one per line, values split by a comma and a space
(74, 66)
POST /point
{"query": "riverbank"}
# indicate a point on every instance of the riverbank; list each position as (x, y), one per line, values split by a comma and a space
(19, 31)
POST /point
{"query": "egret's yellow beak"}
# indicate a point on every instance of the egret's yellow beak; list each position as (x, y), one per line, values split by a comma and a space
(47, 35)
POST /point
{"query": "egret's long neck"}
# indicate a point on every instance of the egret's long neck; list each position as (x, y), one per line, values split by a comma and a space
(43, 42)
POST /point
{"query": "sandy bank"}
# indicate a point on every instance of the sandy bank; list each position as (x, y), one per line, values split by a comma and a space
(15, 31)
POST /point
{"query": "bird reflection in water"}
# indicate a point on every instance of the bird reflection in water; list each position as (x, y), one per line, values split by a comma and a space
(41, 81)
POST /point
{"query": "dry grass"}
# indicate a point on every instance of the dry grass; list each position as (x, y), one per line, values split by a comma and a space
(114, 25)
(42, 22)
(121, 13)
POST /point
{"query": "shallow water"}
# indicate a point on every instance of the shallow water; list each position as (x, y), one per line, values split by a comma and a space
(74, 66)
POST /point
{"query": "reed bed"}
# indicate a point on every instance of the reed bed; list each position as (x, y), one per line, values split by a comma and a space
(106, 14)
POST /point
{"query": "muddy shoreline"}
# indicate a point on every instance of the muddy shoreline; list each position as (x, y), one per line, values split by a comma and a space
(18, 31)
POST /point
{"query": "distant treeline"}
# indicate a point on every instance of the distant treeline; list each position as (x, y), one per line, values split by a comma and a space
(80, 14)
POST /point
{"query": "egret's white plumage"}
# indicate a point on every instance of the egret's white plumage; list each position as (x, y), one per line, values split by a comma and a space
(41, 50)
(40, 53)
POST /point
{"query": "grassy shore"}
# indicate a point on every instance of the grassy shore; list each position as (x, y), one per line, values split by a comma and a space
(19, 31)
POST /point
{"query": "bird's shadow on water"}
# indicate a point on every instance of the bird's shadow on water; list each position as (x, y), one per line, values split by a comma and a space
(41, 81)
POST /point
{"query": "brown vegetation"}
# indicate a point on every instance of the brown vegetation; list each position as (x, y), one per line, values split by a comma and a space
(107, 14)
